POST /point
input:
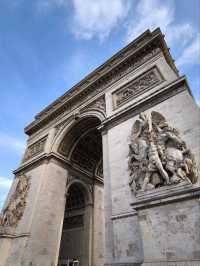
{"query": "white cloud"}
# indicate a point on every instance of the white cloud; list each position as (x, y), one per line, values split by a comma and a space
(46, 5)
(12, 143)
(97, 18)
(184, 32)
(191, 54)
(150, 14)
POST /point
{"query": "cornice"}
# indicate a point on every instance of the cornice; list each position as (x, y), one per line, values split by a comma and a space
(165, 195)
(104, 76)
(156, 97)
(96, 104)
(45, 158)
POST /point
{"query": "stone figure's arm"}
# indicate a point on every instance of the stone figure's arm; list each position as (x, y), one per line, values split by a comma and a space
(174, 138)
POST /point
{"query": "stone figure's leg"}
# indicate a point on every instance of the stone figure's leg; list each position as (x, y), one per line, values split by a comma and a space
(162, 171)
(146, 181)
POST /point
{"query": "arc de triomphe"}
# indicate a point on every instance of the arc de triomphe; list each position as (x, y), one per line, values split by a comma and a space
(110, 173)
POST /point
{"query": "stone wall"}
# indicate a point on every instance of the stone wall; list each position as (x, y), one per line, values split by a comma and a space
(168, 229)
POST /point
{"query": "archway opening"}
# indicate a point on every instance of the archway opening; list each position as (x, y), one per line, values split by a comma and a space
(82, 147)
(72, 242)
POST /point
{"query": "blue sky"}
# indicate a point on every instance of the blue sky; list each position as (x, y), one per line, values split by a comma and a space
(46, 46)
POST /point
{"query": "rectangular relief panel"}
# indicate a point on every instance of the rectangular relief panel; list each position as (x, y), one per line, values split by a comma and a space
(34, 149)
(137, 86)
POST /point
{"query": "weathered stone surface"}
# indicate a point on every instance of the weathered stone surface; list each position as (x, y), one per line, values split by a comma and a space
(170, 232)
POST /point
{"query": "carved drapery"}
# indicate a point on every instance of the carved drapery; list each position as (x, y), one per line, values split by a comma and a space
(157, 155)
(14, 210)
(34, 149)
(137, 86)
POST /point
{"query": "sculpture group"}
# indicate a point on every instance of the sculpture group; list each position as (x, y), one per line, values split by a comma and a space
(13, 212)
(157, 155)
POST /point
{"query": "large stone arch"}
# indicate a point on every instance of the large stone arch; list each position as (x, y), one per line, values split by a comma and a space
(141, 104)
(62, 132)
(74, 138)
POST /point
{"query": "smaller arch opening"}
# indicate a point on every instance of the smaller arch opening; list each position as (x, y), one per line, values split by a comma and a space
(74, 226)
(75, 198)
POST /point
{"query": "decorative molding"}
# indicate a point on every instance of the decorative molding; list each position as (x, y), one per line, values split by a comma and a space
(99, 104)
(99, 169)
(76, 177)
(61, 125)
(9, 233)
(145, 81)
(160, 95)
(158, 156)
(109, 64)
(34, 149)
(166, 195)
(56, 158)
(123, 215)
(14, 210)
(90, 87)
(124, 264)
(88, 151)
(70, 178)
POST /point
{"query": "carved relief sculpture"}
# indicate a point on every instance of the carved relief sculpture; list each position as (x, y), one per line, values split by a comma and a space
(98, 104)
(34, 149)
(137, 86)
(16, 205)
(157, 155)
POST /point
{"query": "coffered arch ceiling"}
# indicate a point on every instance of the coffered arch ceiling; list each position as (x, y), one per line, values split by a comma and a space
(82, 145)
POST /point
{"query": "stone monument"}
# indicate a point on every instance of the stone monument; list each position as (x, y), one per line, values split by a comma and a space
(110, 175)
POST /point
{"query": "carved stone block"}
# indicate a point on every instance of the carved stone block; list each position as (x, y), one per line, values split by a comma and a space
(34, 149)
(137, 86)
(157, 155)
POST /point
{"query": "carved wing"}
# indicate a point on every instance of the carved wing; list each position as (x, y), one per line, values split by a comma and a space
(136, 129)
(158, 119)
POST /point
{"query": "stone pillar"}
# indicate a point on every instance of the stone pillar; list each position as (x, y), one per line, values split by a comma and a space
(39, 231)
(5, 246)
(88, 222)
(98, 226)
(122, 234)
(108, 248)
